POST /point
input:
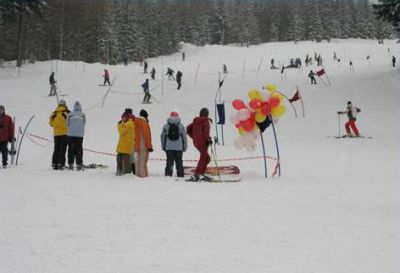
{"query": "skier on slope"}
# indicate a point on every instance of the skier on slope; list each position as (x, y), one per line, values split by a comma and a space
(58, 120)
(146, 91)
(174, 143)
(6, 134)
(53, 87)
(351, 112)
(179, 79)
(170, 74)
(153, 73)
(199, 131)
(106, 77)
(312, 75)
(393, 61)
(145, 67)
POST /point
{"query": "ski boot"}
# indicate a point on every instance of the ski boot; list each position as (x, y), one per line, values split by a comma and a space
(204, 177)
(80, 168)
(193, 178)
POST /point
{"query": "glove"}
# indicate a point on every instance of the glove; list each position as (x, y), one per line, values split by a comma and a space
(209, 142)
(12, 139)
(150, 150)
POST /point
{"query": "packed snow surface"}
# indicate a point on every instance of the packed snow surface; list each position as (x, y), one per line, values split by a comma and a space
(336, 207)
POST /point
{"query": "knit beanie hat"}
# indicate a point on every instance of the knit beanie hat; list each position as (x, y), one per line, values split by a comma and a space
(143, 113)
(174, 114)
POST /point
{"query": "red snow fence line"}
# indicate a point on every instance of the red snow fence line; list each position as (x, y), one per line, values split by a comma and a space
(158, 159)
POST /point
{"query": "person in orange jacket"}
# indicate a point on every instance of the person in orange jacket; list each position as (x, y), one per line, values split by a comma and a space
(143, 143)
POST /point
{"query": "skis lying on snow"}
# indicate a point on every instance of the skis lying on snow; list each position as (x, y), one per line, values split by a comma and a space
(95, 166)
(345, 136)
(222, 170)
(216, 179)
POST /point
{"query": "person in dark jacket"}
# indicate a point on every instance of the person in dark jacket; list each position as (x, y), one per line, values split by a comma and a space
(351, 112)
(153, 73)
(170, 74)
(145, 67)
(6, 134)
(174, 143)
(312, 75)
(179, 79)
(76, 121)
(53, 87)
(394, 61)
(146, 91)
(199, 131)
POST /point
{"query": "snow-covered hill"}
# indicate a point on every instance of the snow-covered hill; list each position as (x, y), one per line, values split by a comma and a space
(335, 208)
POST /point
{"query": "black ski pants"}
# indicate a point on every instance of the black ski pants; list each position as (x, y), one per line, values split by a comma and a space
(174, 157)
(179, 84)
(75, 150)
(60, 148)
(106, 80)
(147, 97)
(313, 81)
(4, 152)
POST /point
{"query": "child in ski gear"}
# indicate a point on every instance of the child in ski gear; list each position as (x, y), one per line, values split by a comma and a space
(351, 112)
(143, 143)
(126, 142)
(179, 79)
(312, 75)
(58, 120)
(394, 61)
(224, 69)
(153, 73)
(76, 121)
(6, 134)
(199, 131)
(53, 87)
(106, 77)
(174, 143)
(146, 91)
(146, 65)
(170, 74)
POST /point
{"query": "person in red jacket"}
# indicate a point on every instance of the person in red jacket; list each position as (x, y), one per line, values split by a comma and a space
(106, 77)
(199, 131)
(6, 134)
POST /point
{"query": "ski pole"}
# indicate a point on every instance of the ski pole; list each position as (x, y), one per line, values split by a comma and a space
(215, 161)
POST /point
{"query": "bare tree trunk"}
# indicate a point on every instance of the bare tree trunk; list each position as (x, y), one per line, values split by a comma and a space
(19, 46)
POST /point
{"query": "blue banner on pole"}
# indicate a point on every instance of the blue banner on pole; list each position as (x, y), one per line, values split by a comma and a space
(221, 113)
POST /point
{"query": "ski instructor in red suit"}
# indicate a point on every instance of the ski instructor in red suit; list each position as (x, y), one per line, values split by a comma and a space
(199, 131)
(6, 134)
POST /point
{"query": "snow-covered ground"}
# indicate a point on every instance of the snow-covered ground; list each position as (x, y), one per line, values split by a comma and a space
(336, 207)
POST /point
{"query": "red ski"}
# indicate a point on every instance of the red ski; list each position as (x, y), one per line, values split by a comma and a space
(222, 170)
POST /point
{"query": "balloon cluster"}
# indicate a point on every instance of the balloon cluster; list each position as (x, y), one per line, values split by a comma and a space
(247, 118)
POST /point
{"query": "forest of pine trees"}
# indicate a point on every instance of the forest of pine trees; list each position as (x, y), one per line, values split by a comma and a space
(108, 31)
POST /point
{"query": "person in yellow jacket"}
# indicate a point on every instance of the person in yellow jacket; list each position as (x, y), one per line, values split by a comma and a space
(58, 120)
(126, 131)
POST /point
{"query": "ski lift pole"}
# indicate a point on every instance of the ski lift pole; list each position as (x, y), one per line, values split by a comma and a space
(264, 154)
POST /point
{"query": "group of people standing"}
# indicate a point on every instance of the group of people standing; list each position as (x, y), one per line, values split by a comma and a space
(135, 143)
(68, 131)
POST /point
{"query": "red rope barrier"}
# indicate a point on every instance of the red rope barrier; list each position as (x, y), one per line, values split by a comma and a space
(159, 159)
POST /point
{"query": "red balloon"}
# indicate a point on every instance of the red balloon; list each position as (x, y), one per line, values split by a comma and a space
(238, 104)
(274, 101)
(238, 125)
(266, 109)
(248, 125)
(255, 104)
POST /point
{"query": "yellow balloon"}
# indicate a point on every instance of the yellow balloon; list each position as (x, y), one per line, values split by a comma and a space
(241, 131)
(278, 111)
(271, 87)
(254, 94)
(260, 117)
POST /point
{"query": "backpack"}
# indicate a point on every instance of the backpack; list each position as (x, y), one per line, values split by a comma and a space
(173, 131)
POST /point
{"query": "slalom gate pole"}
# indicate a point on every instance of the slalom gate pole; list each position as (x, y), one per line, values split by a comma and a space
(22, 137)
(213, 155)
(339, 124)
(283, 95)
(302, 105)
(277, 147)
(265, 159)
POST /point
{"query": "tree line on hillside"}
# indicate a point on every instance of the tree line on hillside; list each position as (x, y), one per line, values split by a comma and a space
(110, 31)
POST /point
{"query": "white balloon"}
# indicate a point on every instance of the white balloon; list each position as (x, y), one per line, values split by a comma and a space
(234, 118)
(239, 143)
(243, 114)
(265, 95)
